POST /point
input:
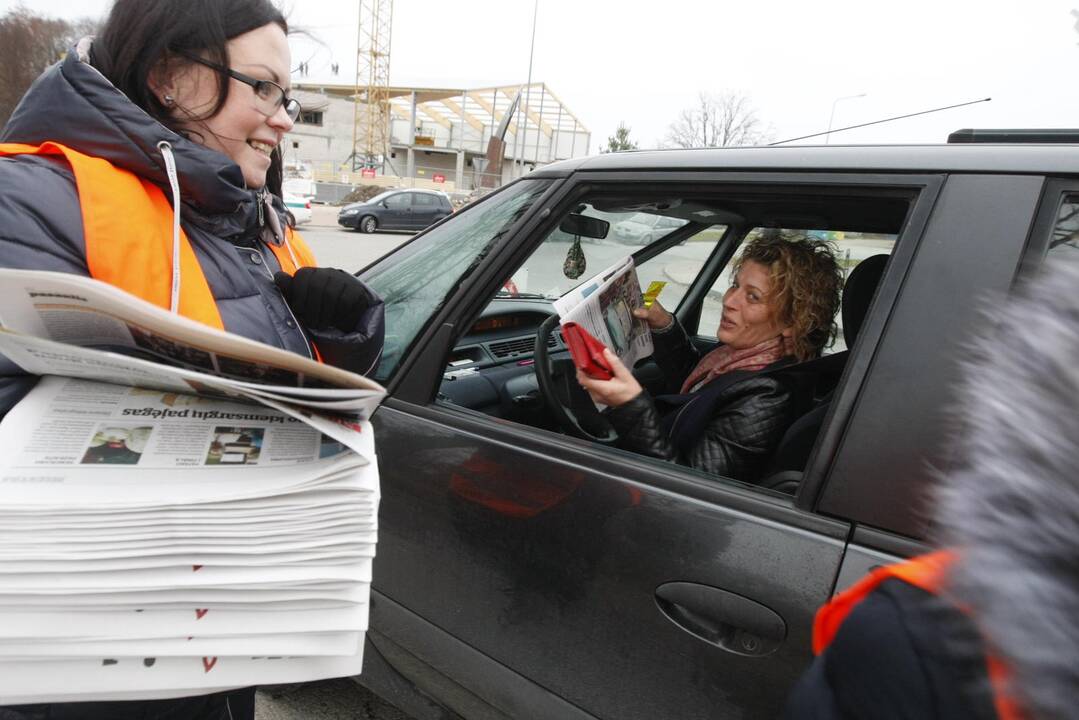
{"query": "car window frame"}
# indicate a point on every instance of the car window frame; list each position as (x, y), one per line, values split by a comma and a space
(415, 389)
(981, 223)
(1041, 232)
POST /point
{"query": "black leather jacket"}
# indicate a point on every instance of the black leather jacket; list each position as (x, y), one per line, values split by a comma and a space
(749, 419)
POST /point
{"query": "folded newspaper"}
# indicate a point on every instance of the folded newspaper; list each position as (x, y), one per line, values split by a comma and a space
(181, 510)
(604, 306)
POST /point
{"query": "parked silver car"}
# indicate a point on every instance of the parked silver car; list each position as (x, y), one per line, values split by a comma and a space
(643, 228)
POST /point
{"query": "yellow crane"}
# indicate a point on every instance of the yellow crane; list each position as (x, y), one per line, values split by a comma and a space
(371, 118)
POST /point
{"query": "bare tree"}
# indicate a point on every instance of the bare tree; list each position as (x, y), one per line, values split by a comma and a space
(718, 120)
(31, 43)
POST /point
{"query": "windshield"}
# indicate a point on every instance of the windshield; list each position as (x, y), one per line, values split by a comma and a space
(644, 219)
(416, 280)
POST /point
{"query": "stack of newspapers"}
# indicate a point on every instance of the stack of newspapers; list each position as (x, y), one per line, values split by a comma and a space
(181, 510)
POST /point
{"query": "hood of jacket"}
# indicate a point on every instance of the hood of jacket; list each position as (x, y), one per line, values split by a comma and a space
(1012, 507)
(75, 105)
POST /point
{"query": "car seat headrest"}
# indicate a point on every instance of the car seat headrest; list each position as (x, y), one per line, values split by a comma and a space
(858, 293)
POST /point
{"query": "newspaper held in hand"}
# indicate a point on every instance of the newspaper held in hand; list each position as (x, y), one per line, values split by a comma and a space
(604, 307)
(181, 510)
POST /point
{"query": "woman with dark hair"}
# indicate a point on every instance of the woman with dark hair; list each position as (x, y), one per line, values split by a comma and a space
(149, 158)
(726, 416)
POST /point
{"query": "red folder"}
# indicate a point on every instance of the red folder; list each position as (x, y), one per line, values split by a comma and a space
(586, 351)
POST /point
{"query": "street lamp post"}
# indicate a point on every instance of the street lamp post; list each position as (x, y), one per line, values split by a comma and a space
(828, 135)
(518, 164)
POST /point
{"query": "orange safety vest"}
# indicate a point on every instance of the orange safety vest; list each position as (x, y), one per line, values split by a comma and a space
(127, 225)
(928, 573)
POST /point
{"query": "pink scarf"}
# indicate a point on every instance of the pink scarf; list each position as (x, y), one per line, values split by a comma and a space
(725, 358)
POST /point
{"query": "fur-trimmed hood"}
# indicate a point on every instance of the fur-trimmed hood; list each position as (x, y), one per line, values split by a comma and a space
(1012, 510)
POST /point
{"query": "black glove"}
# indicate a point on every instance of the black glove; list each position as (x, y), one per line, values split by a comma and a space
(326, 297)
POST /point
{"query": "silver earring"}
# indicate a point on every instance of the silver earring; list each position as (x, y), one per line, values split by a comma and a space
(169, 100)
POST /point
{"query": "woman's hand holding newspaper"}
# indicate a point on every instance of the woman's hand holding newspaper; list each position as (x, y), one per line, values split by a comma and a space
(619, 390)
(655, 315)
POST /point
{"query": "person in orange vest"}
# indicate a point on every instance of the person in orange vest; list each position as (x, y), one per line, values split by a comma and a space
(988, 627)
(149, 158)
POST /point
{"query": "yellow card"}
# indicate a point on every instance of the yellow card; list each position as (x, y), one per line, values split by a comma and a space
(654, 289)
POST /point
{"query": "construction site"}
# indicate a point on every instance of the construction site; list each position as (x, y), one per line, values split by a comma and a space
(458, 140)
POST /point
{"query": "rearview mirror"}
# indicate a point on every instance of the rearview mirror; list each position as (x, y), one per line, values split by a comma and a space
(584, 226)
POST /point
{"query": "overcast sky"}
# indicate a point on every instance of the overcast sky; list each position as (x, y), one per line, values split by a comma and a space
(614, 61)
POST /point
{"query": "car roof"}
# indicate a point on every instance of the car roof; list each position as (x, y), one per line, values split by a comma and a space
(965, 157)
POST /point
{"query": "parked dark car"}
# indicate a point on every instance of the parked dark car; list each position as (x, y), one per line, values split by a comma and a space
(396, 210)
(528, 570)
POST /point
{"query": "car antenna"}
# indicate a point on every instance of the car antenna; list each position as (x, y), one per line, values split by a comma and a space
(878, 122)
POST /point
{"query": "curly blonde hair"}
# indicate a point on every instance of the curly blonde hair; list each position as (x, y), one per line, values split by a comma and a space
(806, 286)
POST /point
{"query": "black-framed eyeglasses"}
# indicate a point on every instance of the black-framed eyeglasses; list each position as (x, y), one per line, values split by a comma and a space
(268, 95)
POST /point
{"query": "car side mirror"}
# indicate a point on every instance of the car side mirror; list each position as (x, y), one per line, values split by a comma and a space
(584, 226)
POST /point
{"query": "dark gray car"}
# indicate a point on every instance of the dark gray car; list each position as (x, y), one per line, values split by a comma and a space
(396, 210)
(526, 570)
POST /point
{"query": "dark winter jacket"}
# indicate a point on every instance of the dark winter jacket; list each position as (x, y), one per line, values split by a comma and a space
(901, 654)
(41, 221)
(746, 421)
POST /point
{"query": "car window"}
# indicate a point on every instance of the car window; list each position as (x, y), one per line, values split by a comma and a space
(398, 201)
(490, 369)
(415, 280)
(679, 265)
(424, 200)
(544, 273)
(642, 228)
(850, 248)
(381, 196)
(1065, 240)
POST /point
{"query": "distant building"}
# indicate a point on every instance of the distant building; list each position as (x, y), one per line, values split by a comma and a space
(438, 136)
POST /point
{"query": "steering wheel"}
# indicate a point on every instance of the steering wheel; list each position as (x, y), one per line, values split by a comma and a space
(571, 406)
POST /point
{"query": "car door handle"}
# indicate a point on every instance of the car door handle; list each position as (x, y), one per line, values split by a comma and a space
(727, 620)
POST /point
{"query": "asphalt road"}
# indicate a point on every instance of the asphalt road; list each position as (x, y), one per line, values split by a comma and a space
(334, 246)
(339, 699)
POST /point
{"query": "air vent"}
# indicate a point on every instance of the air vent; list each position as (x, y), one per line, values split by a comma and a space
(518, 346)
(509, 348)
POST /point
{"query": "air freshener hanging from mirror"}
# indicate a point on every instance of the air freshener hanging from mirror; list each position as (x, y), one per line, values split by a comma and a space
(575, 263)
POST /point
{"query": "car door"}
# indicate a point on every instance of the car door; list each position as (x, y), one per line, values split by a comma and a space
(987, 232)
(523, 573)
(397, 212)
(425, 209)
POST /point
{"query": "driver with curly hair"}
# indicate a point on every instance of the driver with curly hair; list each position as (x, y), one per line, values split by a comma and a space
(727, 414)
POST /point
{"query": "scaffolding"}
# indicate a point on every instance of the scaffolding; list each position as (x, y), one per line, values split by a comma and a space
(429, 126)
(371, 113)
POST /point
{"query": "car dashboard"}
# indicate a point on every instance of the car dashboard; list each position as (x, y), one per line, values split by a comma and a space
(490, 369)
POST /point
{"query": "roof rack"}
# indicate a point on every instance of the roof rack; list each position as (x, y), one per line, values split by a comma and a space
(1019, 135)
